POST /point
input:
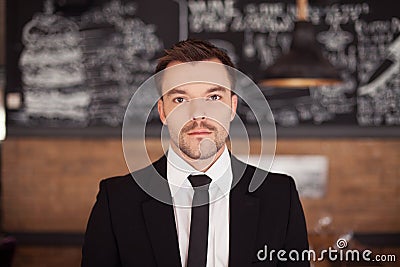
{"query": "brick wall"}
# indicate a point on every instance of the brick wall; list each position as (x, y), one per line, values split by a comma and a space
(51, 184)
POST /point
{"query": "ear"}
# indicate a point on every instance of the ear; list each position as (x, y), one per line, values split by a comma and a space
(160, 108)
(234, 102)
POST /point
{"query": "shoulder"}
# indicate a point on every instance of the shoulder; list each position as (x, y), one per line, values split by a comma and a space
(113, 183)
(259, 181)
(280, 179)
(126, 185)
(157, 168)
(277, 192)
(276, 183)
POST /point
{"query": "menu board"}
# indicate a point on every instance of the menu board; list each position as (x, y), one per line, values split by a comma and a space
(72, 66)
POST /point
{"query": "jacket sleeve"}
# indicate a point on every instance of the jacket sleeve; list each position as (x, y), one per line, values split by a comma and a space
(296, 233)
(99, 246)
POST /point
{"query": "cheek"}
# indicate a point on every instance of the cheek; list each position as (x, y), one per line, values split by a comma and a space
(177, 117)
(220, 113)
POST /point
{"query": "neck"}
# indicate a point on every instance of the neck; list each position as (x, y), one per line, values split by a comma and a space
(199, 164)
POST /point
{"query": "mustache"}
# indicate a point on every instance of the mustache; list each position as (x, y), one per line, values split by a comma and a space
(195, 124)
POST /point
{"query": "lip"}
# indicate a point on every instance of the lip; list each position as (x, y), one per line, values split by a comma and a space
(199, 132)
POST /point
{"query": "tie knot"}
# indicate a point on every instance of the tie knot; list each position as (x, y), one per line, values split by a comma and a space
(199, 181)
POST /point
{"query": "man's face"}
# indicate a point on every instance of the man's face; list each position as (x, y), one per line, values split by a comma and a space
(198, 116)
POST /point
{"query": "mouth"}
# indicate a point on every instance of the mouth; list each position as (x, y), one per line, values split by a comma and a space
(199, 132)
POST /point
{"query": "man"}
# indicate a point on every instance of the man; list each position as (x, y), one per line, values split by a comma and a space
(214, 219)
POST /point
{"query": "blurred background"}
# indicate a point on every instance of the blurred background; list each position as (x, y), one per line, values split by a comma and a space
(68, 69)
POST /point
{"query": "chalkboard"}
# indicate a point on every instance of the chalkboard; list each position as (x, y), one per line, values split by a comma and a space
(73, 65)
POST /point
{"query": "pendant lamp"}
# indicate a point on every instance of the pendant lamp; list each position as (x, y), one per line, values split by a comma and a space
(304, 65)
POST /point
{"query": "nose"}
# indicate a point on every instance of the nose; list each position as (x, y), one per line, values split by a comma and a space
(199, 118)
(197, 110)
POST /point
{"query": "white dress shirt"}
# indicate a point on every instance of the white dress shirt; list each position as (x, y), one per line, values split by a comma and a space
(182, 194)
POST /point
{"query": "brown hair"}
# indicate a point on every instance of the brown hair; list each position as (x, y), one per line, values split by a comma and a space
(193, 50)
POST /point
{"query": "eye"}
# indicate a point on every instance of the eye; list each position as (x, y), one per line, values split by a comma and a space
(215, 97)
(178, 100)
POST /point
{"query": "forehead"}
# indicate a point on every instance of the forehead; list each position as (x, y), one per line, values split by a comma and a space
(197, 74)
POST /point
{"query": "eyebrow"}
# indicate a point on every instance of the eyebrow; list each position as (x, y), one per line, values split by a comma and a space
(216, 89)
(180, 91)
(175, 91)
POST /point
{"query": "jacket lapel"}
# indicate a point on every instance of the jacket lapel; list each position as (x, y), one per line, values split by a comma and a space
(160, 220)
(244, 212)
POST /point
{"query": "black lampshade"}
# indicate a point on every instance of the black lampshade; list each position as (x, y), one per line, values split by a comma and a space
(304, 65)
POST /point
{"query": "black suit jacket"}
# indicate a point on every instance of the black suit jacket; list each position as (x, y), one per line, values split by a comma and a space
(127, 227)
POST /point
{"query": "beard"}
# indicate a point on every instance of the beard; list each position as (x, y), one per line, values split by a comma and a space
(207, 147)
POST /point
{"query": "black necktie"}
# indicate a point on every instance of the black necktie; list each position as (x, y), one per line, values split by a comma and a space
(198, 239)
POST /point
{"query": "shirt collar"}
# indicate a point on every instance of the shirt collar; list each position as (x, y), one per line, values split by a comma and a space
(178, 170)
